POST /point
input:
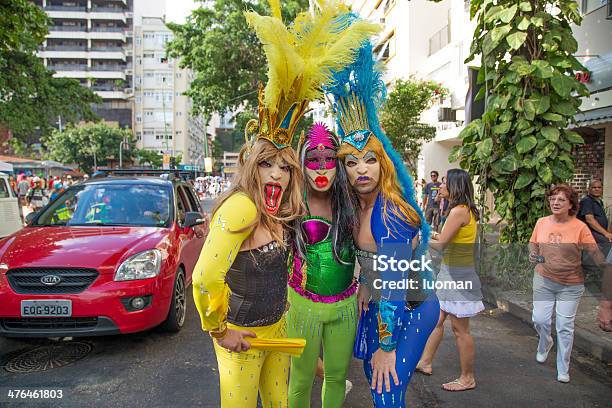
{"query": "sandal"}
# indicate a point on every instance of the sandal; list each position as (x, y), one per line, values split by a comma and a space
(423, 370)
(463, 387)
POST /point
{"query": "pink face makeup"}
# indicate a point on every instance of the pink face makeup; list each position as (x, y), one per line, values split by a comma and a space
(320, 158)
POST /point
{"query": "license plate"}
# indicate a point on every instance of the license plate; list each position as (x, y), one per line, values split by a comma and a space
(46, 308)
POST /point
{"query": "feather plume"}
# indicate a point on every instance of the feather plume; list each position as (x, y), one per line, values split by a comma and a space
(301, 58)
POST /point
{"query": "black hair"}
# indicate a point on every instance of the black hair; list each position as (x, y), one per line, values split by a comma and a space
(461, 190)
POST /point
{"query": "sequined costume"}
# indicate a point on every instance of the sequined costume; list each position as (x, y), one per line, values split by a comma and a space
(231, 288)
(322, 289)
(397, 320)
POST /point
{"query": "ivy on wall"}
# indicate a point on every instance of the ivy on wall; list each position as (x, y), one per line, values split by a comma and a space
(521, 145)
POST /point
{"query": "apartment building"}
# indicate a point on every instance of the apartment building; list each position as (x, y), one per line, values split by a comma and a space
(162, 120)
(419, 40)
(91, 41)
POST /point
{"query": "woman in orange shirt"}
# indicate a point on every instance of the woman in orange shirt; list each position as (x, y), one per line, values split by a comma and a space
(556, 246)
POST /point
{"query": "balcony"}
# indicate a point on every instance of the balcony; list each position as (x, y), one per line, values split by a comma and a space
(439, 40)
(65, 48)
(107, 29)
(109, 49)
(68, 28)
(67, 67)
(107, 68)
(65, 8)
(107, 10)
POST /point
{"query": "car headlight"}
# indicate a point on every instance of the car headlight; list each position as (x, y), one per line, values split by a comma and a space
(143, 265)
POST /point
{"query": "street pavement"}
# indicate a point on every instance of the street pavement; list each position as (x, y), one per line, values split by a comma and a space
(155, 369)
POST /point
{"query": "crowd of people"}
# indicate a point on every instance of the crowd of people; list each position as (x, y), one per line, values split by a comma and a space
(328, 214)
(211, 186)
(35, 191)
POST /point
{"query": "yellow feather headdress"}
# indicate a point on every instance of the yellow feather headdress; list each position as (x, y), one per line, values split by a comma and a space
(301, 58)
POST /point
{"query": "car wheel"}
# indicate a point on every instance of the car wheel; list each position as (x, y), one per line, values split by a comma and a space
(178, 306)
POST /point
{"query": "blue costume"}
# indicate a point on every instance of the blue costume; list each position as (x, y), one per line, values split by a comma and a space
(400, 319)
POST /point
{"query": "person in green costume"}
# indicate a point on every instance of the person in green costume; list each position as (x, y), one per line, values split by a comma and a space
(321, 283)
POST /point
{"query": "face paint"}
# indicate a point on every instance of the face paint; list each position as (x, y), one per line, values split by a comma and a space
(274, 175)
(363, 171)
(320, 168)
(321, 158)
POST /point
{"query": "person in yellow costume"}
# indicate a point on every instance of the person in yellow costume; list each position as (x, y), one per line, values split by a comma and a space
(240, 279)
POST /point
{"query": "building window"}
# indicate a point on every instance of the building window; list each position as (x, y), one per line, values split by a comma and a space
(138, 99)
(386, 48)
(179, 113)
(592, 5)
(178, 75)
(149, 74)
(439, 40)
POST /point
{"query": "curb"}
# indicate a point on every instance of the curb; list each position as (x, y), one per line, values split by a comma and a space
(583, 339)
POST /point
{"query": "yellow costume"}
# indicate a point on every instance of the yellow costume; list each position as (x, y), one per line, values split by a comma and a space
(230, 285)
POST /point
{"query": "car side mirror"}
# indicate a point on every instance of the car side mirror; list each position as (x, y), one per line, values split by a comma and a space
(193, 218)
(30, 217)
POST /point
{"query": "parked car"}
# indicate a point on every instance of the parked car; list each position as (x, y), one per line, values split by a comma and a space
(107, 256)
(10, 216)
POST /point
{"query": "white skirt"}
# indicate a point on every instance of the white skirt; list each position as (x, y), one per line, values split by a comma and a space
(463, 308)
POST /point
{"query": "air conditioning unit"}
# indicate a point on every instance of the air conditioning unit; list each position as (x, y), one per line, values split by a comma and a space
(447, 115)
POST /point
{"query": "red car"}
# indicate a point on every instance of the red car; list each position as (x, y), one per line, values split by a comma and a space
(108, 256)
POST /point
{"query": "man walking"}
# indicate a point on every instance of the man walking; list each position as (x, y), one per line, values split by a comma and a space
(432, 207)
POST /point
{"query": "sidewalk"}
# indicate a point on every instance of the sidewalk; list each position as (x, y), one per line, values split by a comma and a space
(587, 336)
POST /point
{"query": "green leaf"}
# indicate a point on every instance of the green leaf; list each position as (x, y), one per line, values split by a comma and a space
(501, 128)
(491, 13)
(545, 174)
(565, 108)
(509, 164)
(526, 144)
(529, 108)
(523, 180)
(498, 33)
(551, 133)
(524, 24)
(543, 105)
(484, 148)
(507, 14)
(544, 70)
(537, 21)
(573, 137)
(561, 171)
(553, 117)
(516, 40)
(562, 84)
(525, 6)
(525, 69)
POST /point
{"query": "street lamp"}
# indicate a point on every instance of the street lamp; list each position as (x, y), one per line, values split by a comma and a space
(121, 152)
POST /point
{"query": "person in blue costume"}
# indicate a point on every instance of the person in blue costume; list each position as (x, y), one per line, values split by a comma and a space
(397, 313)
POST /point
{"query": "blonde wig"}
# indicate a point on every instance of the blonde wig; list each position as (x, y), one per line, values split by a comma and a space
(246, 180)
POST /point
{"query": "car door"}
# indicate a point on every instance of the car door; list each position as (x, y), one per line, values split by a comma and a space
(191, 239)
(9, 210)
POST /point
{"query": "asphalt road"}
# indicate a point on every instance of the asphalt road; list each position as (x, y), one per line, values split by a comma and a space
(155, 369)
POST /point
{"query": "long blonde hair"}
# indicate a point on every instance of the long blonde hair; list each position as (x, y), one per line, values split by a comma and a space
(246, 180)
(389, 186)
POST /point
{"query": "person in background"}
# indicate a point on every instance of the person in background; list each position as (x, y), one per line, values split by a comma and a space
(58, 188)
(36, 195)
(432, 208)
(456, 242)
(443, 202)
(556, 246)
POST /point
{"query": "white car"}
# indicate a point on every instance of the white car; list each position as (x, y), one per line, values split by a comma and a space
(10, 218)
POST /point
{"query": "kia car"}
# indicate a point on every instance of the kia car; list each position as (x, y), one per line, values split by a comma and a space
(108, 256)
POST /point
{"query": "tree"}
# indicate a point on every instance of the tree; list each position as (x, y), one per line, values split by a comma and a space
(522, 145)
(78, 144)
(401, 115)
(30, 98)
(224, 54)
(151, 157)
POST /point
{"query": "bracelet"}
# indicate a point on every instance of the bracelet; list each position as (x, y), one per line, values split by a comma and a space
(219, 334)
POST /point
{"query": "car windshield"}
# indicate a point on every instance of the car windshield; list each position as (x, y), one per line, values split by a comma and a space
(110, 205)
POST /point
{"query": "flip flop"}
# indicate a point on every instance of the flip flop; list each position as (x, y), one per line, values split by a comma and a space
(464, 387)
(420, 370)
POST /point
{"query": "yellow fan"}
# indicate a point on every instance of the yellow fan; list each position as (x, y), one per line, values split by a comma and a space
(292, 346)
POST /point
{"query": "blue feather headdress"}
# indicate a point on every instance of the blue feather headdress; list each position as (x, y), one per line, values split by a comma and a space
(358, 93)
